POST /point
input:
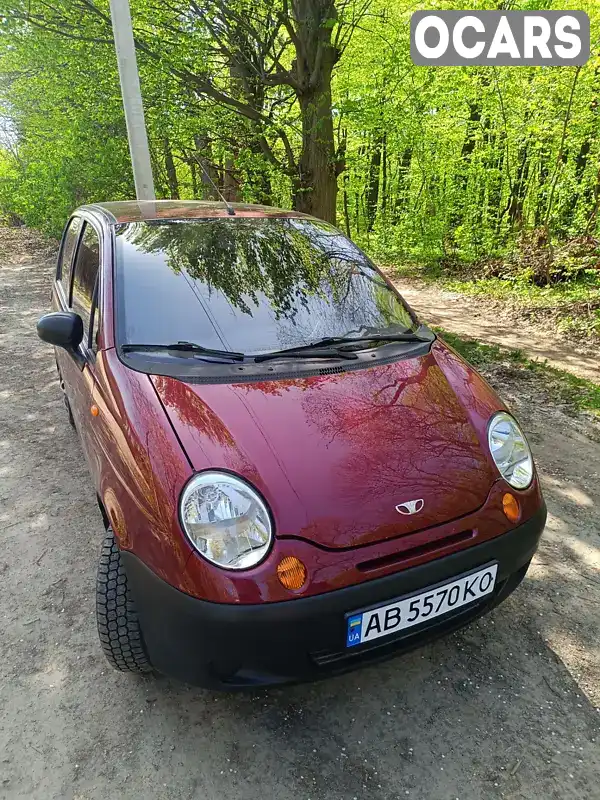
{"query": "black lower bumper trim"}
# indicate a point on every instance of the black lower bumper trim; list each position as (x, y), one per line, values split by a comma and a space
(234, 646)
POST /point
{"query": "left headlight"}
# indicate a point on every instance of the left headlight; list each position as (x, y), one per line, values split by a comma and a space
(510, 450)
(226, 520)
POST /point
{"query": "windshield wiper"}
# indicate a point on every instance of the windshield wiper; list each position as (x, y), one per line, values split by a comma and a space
(371, 337)
(305, 352)
(185, 347)
(323, 347)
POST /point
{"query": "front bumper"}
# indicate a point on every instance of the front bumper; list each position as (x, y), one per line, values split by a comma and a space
(230, 646)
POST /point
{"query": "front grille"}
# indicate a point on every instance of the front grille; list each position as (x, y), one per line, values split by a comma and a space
(414, 552)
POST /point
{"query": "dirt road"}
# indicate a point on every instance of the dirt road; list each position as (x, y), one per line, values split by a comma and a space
(495, 322)
(506, 709)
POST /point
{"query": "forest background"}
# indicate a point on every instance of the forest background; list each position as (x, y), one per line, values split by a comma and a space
(485, 178)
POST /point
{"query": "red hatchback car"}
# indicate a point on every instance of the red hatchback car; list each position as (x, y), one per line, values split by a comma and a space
(295, 475)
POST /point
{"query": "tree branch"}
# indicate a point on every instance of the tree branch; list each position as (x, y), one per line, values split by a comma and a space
(45, 26)
(281, 79)
(286, 20)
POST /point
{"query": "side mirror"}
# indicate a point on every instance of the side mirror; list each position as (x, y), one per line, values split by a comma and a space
(62, 329)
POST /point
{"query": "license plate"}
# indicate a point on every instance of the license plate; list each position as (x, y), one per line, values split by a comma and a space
(408, 611)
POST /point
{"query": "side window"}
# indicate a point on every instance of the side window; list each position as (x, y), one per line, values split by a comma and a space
(85, 272)
(63, 272)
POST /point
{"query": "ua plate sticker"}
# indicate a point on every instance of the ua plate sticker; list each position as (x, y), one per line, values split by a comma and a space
(430, 603)
(354, 630)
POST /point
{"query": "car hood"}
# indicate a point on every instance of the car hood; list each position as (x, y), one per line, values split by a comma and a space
(336, 456)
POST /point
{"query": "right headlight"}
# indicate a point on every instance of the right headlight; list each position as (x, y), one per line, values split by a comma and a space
(510, 450)
(226, 520)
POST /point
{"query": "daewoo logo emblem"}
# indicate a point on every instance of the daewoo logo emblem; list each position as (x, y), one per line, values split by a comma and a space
(412, 507)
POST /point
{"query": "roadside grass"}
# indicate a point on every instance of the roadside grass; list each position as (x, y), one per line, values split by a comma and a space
(525, 291)
(568, 389)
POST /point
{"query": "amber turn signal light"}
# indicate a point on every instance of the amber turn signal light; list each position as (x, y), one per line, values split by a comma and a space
(511, 507)
(291, 572)
(94, 411)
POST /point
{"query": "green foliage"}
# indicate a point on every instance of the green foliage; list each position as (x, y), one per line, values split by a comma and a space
(439, 165)
(452, 164)
(568, 389)
(67, 129)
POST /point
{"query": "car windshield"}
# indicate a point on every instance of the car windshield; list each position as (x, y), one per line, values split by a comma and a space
(252, 285)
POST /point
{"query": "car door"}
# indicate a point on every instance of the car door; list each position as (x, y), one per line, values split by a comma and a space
(77, 369)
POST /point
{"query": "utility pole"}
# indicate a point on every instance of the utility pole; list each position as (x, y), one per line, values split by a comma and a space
(132, 100)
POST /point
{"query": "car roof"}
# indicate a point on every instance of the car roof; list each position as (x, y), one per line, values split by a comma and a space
(121, 211)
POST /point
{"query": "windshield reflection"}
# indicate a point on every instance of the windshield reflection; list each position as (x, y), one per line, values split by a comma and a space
(253, 285)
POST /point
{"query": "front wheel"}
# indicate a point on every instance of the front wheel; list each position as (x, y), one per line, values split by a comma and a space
(118, 624)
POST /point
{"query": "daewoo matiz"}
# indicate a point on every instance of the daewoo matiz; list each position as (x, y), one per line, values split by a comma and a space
(296, 476)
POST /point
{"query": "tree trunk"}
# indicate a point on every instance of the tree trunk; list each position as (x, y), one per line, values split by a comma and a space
(193, 174)
(582, 158)
(562, 150)
(231, 186)
(542, 199)
(171, 170)
(208, 174)
(403, 185)
(259, 180)
(469, 141)
(494, 161)
(346, 209)
(519, 189)
(315, 187)
(466, 154)
(372, 201)
(384, 174)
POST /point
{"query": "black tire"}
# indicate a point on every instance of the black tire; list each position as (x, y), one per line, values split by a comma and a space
(65, 398)
(118, 624)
